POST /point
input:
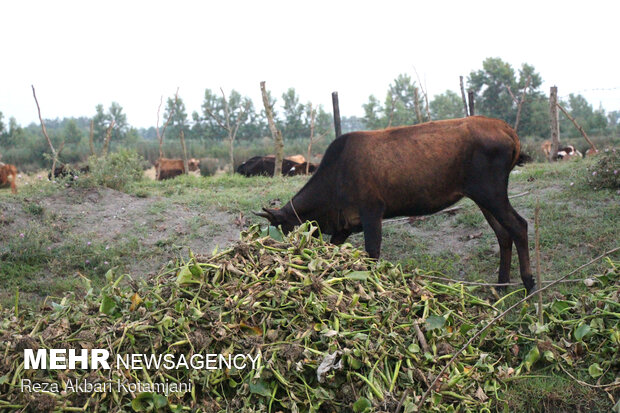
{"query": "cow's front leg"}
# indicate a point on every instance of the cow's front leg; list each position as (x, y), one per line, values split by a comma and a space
(371, 223)
(340, 237)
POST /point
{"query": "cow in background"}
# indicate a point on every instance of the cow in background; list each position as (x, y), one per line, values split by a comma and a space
(301, 169)
(8, 176)
(568, 152)
(170, 168)
(66, 170)
(264, 165)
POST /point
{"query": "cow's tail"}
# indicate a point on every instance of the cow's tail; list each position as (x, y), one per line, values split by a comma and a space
(523, 159)
(518, 158)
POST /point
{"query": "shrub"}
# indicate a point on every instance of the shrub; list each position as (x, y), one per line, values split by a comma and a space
(117, 170)
(605, 173)
(209, 166)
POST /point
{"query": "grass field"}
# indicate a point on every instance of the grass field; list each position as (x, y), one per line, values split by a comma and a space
(51, 235)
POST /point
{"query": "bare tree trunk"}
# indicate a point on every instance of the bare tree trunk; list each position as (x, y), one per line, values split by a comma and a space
(49, 141)
(554, 122)
(275, 133)
(470, 99)
(185, 164)
(106, 143)
(309, 155)
(463, 97)
(416, 105)
(91, 134)
(336, 107)
(389, 125)
(579, 128)
(160, 136)
(424, 93)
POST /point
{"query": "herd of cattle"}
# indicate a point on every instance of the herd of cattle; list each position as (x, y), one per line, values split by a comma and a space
(170, 168)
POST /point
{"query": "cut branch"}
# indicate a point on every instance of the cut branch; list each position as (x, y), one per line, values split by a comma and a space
(579, 128)
(49, 141)
(463, 97)
(275, 133)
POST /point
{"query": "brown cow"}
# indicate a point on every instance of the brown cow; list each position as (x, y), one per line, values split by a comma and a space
(293, 158)
(368, 176)
(174, 167)
(8, 171)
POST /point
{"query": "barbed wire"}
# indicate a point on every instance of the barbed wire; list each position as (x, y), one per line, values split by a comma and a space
(597, 89)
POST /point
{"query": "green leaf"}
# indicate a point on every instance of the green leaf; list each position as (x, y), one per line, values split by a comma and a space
(148, 402)
(361, 405)
(595, 370)
(532, 357)
(434, 322)
(108, 305)
(261, 388)
(582, 331)
(185, 276)
(358, 275)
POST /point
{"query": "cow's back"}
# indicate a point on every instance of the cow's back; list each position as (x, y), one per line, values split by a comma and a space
(414, 170)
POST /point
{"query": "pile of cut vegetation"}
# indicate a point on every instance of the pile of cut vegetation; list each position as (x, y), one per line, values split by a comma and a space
(322, 328)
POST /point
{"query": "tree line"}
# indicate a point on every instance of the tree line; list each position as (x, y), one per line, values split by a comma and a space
(497, 88)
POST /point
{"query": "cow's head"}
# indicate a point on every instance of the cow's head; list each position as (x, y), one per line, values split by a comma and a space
(280, 217)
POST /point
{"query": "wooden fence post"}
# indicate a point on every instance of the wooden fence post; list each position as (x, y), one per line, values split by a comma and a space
(470, 99)
(554, 122)
(336, 114)
(463, 97)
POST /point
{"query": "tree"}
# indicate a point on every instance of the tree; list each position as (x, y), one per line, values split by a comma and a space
(401, 97)
(72, 133)
(229, 114)
(178, 122)
(447, 105)
(490, 85)
(293, 123)
(373, 113)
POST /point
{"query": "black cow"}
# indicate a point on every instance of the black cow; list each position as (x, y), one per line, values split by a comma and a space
(367, 176)
(264, 165)
(64, 170)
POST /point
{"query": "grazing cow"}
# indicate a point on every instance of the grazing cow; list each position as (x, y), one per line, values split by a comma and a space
(64, 170)
(8, 176)
(367, 176)
(264, 165)
(564, 153)
(169, 168)
(301, 169)
(568, 152)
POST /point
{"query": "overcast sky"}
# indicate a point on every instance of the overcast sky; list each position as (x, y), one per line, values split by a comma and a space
(78, 54)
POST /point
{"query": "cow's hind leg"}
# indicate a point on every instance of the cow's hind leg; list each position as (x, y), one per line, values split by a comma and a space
(491, 193)
(505, 246)
(516, 226)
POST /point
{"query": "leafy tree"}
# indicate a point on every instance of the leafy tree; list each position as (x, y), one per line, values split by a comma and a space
(401, 98)
(490, 87)
(178, 122)
(590, 120)
(373, 114)
(293, 125)
(100, 124)
(115, 113)
(72, 133)
(447, 105)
